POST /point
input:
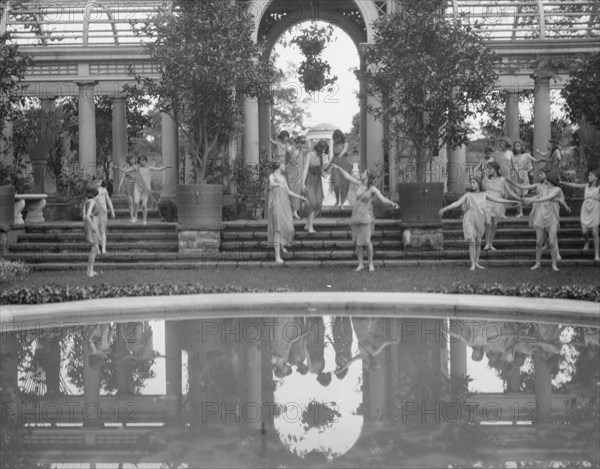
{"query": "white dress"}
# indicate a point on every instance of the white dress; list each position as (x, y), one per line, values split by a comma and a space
(590, 210)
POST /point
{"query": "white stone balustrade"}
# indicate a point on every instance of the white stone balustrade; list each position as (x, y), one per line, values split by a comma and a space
(35, 204)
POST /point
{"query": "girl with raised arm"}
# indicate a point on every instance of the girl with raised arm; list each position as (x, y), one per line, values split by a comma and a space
(474, 204)
(281, 145)
(495, 185)
(362, 221)
(590, 210)
(546, 218)
(312, 183)
(280, 228)
(553, 156)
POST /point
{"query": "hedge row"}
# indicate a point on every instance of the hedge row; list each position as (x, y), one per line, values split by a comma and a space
(58, 294)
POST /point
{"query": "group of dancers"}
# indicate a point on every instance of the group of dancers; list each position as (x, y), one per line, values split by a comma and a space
(506, 173)
(297, 177)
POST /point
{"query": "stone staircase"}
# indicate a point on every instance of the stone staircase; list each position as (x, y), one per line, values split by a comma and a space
(61, 245)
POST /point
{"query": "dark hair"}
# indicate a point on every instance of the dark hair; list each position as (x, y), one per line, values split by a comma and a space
(477, 354)
(479, 183)
(506, 140)
(341, 373)
(553, 178)
(274, 165)
(371, 176)
(496, 166)
(300, 139)
(337, 133)
(144, 158)
(91, 191)
(302, 368)
(519, 142)
(282, 373)
(321, 147)
(488, 150)
(283, 134)
(595, 171)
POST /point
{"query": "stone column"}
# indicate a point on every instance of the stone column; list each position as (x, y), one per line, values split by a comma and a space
(456, 169)
(92, 414)
(264, 126)
(254, 398)
(458, 352)
(511, 119)
(170, 156)
(173, 368)
(377, 379)
(541, 112)
(123, 366)
(87, 128)
(362, 97)
(542, 387)
(251, 131)
(119, 135)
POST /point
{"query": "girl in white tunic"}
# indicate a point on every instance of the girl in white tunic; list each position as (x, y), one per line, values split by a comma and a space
(590, 210)
(474, 204)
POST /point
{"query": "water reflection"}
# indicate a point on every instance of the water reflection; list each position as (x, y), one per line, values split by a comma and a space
(302, 392)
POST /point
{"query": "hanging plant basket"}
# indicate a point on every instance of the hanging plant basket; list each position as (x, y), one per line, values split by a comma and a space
(314, 74)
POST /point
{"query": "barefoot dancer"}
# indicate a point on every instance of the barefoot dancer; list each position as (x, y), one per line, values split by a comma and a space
(522, 163)
(339, 184)
(280, 228)
(495, 185)
(362, 220)
(293, 172)
(590, 210)
(546, 218)
(90, 226)
(474, 204)
(312, 184)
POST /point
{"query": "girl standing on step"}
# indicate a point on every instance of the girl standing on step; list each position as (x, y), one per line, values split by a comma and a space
(104, 203)
(293, 172)
(522, 165)
(127, 182)
(496, 186)
(546, 218)
(312, 183)
(553, 156)
(362, 221)
(341, 158)
(474, 205)
(90, 227)
(280, 228)
(504, 158)
(590, 210)
(281, 146)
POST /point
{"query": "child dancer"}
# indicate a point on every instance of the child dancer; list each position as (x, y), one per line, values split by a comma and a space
(590, 210)
(104, 203)
(546, 218)
(474, 204)
(90, 226)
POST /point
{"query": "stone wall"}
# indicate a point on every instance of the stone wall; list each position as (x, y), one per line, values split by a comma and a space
(199, 241)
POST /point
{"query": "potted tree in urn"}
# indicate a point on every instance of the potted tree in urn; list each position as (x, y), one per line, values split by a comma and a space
(208, 65)
(429, 70)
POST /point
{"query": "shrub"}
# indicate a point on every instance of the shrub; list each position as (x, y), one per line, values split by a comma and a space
(168, 210)
(17, 175)
(450, 198)
(12, 270)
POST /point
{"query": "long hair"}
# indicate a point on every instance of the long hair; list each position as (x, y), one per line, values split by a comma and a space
(553, 178)
(321, 147)
(479, 183)
(595, 171)
(283, 134)
(496, 166)
(371, 176)
(339, 134)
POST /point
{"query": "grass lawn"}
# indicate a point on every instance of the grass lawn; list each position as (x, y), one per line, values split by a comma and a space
(401, 279)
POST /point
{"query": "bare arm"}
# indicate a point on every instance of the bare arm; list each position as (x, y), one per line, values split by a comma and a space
(550, 196)
(510, 192)
(125, 170)
(526, 187)
(298, 196)
(383, 199)
(500, 201)
(453, 205)
(161, 168)
(345, 173)
(109, 204)
(572, 184)
(384, 345)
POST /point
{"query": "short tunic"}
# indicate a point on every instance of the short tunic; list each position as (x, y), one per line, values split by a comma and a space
(547, 214)
(129, 182)
(90, 228)
(339, 183)
(540, 191)
(504, 159)
(280, 228)
(474, 218)
(523, 164)
(495, 187)
(362, 221)
(590, 210)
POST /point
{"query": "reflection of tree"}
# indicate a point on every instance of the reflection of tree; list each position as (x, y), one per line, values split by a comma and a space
(319, 415)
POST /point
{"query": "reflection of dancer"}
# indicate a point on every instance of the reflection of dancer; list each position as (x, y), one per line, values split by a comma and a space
(362, 220)
(315, 350)
(369, 334)
(312, 182)
(99, 340)
(546, 218)
(287, 332)
(342, 344)
(140, 345)
(474, 204)
(590, 210)
(298, 349)
(339, 184)
(280, 228)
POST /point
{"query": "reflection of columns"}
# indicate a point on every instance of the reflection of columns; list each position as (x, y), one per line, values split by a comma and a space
(87, 128)
(173, 368)
(251, 145)
(170, 156)
(124, 385)
(456, 170)
(543, 388)
(458, 352)
(541, 113)
(92, 414)
(9, 361)
(377, 377)
(511, 119)
(264, 127)
(362, 98)
(119, 136)
(254, 401)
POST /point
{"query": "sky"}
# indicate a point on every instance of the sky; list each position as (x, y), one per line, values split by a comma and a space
(338, 106)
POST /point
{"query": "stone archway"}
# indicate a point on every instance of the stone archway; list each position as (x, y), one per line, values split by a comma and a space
(272, 20)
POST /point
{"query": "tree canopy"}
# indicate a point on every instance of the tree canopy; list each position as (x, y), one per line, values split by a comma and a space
(208, 64)
(429, 71)
(582, 92)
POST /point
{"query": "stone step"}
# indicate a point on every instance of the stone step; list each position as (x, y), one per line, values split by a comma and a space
(114, 226)
(320, 224)
(337, 234)
(320, 245)
(67, 247)
(135, 256)
(113, 236)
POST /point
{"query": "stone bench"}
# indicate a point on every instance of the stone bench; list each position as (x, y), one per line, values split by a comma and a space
(35, 204)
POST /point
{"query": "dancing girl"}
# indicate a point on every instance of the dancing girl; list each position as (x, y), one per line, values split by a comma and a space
(91, 227)
(312, 184)
(341, 158)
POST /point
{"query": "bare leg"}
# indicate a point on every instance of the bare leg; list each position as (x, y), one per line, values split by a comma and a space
(472, 258)
(144, 210)
(309, 224)
(596, 237)
(131, 204)
(539, 246)
(586, 238)
(477, 254)
(370, 256)
(91, 260)
(103, 241)
(359, 255)
(490, 234)
(553, 238)
(277, 248)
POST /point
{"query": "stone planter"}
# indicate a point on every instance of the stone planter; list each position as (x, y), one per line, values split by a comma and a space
(200, 206)
(60, 211)
(421, 202)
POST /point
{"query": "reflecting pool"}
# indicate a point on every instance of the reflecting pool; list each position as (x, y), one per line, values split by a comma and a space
(301, 391)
